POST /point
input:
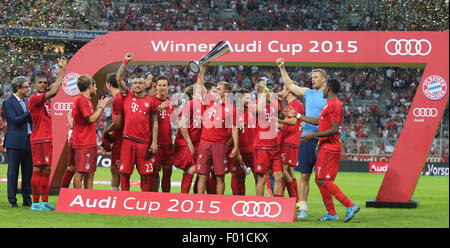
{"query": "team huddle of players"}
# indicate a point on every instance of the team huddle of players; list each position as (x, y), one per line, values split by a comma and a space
(218, 132)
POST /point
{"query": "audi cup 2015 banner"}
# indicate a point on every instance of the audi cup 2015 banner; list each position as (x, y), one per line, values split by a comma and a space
(177, 205)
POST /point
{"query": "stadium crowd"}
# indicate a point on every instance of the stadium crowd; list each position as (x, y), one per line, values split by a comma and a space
(227, 15)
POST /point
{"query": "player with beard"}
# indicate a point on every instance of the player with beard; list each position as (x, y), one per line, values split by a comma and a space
(164, 157)
(140, 133)
(84, 131)
(41, 136)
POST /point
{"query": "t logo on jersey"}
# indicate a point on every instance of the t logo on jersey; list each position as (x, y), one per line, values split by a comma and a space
(134, 107)
(197, 121)
(212, 113)
(242, 127)
(163, 114)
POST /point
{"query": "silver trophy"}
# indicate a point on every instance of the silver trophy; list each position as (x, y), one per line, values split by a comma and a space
(220, 49)
(245, 168)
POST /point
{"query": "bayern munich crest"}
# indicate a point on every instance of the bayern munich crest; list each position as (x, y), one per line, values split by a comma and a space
(434, 87)
(69, 84)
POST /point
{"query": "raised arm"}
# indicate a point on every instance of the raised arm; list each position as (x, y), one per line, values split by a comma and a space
(297, 90)
(201, 81)
(119, 76)
(60, 75)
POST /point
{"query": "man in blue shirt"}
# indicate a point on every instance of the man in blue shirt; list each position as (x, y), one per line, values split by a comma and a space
(314, 102)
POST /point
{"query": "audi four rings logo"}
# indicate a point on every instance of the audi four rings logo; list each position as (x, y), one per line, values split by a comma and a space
(425, 112)
(411, 47)
(256, 209)
(62, 106)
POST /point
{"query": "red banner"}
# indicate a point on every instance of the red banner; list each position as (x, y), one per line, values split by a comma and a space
(177, 205)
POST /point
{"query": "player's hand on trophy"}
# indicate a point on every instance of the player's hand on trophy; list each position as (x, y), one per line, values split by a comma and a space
(129, 57)
(280, 62)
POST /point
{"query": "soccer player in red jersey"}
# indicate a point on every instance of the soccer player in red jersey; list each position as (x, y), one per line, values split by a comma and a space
(290, 141)
(267, 151)
(116, 127)
(164, 157)
(41, 136)
(218, 118)
(246, 124)
(140, 132)
(84, 132)
(328, 157)
(189, 132)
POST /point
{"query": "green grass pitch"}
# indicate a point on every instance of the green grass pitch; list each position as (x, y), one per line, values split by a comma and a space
(432, 192)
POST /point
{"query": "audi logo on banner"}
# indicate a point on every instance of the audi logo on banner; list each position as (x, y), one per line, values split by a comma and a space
(62, 106)
(411, 47)
(425, 112)
(256, 209)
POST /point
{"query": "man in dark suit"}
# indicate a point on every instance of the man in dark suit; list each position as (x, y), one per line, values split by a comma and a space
(17, 140)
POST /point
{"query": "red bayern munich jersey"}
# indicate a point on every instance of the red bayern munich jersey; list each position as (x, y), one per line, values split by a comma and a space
(246, 124)
(84, 133)
(40, 112)
(193, 111)
(137, 115)
(331, 112)
(217, 122)
(267, 135)
(117, 109)
(292, 133)
(164, 125)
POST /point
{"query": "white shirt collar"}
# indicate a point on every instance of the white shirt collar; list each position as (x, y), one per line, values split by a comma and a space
(18, 99)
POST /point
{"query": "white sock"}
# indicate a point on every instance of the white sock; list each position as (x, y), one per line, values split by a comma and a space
(114, 188)
(303, 205)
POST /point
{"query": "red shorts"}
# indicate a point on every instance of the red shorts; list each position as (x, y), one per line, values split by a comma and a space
(164, 157)
(236, 168)
(134, 153)
(289, 154)
(212, 156)
(85, 159)
(327, 164)
(42, 153)
(182, 157)
(115, 155)
(266, 159)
